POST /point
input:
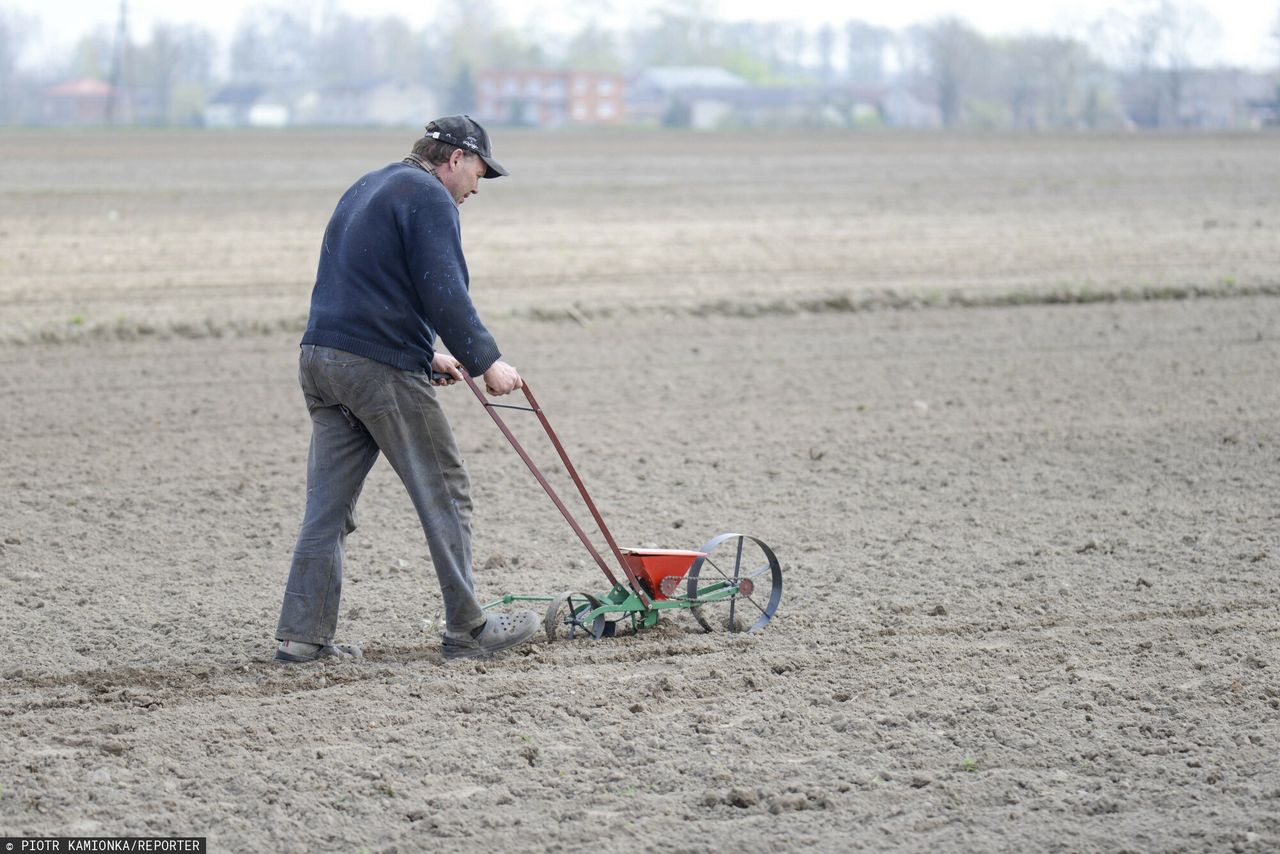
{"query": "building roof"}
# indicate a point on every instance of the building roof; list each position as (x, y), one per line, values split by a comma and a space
(243, 96)
(367, 85)
(85, 87)
(673, 78)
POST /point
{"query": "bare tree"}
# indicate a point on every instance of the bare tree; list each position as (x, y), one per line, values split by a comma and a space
(593, 48)
(865, 46)
(797, 47)
(1178, 31)
(743, 50)
(771, 48)
(1275, 35)
(682, 32)
(1019, 82)
(826, 41)
(1043, 81)
(174, 68)
(1156, 43)
(957, 56)
(398, 50)
(15, 30)
(474, 39)
(272, 45)
(90, 56)
(363, 49)
(909, 48)
(470, 39)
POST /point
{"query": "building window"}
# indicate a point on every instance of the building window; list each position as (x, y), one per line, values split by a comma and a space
(511, 86)
(580, 112)
(490, 87)
(604, 86)
(604, 110)
(579, 85)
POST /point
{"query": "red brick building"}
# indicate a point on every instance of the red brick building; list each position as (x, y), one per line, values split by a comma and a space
(544, 98)
(79, 102)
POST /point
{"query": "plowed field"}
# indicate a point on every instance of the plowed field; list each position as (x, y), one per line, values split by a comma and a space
(1006, 408)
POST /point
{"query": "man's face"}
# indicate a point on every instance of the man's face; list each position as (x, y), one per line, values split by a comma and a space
(462, 175)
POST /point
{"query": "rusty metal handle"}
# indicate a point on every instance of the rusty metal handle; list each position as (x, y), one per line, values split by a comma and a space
(492, 409)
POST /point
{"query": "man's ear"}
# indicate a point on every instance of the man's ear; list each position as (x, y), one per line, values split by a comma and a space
(456, 157)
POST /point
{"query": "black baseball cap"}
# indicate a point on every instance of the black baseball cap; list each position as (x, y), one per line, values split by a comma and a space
(467, 134)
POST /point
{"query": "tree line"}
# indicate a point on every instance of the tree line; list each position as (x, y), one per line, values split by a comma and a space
(973, 79)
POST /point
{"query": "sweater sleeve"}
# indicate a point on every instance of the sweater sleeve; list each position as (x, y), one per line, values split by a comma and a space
(433, 245)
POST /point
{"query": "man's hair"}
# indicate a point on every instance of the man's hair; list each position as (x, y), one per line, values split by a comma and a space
(435, 151)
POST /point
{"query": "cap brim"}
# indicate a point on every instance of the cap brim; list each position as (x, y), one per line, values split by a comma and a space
(495, 169)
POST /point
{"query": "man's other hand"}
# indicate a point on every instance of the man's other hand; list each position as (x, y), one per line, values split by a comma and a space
(502, 379)
(443, 363)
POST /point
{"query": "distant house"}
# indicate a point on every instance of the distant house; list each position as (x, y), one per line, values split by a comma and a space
(80, 102)
(708, 98)
(902, 108)
(1264, 112)
(381, 102)
(1222, 98)
(1211, 98)
(548, 98)
(248, 106)
(667, 95)
(782, 107)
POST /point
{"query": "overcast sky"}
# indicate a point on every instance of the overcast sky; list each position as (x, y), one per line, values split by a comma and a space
(1243, 38)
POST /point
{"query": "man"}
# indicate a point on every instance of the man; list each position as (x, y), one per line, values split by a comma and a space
(391, 278)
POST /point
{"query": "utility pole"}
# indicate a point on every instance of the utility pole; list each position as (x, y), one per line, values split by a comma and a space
(118, 56)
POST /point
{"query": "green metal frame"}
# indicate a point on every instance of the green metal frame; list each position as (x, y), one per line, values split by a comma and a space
(624, 601)
(508, 598)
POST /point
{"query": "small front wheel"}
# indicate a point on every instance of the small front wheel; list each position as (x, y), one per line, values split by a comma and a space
(567, 617)
(736, 586)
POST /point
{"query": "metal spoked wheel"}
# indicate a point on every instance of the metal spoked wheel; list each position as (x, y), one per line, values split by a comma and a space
(567, 617)
(737, 586)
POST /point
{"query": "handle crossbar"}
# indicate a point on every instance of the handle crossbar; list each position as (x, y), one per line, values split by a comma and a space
(492, 409)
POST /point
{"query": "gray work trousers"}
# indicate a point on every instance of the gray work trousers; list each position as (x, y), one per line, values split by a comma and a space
(358, 408)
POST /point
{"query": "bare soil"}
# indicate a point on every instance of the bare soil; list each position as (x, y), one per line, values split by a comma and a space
(205, 233)
(1030, 550)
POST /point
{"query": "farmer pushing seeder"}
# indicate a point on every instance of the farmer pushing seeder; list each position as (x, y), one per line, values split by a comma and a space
(391, 279)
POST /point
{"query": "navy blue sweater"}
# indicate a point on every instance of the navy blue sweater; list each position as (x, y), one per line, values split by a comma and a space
(392, 276)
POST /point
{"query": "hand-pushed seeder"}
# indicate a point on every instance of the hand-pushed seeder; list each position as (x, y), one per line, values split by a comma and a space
(733, 583)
